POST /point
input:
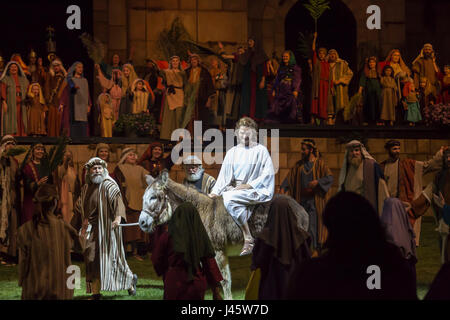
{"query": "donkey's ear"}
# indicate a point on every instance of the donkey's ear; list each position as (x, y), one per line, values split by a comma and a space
(164, 176)
(149, 179)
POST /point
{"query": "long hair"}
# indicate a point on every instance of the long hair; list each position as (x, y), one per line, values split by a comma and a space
(367, 72)
(44, 200)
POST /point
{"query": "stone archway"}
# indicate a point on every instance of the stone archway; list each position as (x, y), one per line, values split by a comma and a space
(266, 21)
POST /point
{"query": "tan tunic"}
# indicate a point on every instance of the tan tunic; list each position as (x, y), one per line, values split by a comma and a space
(135, 184)
(175, 78)
(355, 179)
(391, 176)
(389, 98)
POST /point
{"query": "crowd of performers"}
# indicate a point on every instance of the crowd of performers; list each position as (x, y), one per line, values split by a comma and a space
(371, 221)
(40, 100)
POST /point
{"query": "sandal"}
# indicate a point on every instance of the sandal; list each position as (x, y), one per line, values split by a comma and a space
(248, 247)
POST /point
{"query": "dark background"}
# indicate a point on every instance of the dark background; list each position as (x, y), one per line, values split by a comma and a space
(24, 24)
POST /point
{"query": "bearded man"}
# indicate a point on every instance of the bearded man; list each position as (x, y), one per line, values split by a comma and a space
(196, 175)
(424, 66)
(404, 179)
(309, 182)
(360, 173)
(340, 76)
(246, 178)
(99, 210)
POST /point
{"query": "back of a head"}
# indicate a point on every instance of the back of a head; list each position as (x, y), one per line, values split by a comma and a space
(354, 227)
(44, 199)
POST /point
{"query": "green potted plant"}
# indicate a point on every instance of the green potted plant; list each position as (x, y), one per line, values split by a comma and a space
(134, 125)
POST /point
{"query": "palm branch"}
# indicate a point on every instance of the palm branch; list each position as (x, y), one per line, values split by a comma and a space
(172, 41)
(16, 151)
(94, 47)
(316, 8)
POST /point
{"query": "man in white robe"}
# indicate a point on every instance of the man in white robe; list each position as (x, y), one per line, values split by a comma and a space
(246, 178)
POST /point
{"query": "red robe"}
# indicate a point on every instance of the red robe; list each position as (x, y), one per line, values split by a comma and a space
(171, 266)
(319, 106)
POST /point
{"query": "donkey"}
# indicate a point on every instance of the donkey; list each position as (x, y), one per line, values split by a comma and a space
(163, 195)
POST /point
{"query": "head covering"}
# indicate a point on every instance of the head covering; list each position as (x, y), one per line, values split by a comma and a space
(282, 231)
(398, 228)
(135, 82)
(71, 71)
(170, 62)
(194, 55)
(94, 162)
(17, 58)
(101, 146)
(256, 55)
(52, 67)
(6, 70)
(333, 51)
(31, 94)
(32, 54)
(421, 54)
(125, 153)
(365, 155)
(189, 237)
(7, 138)
(391, 143)
(127, 82)
(45, 195)
(311, 143)
(292, 61)
(192, 159)
(400, 61)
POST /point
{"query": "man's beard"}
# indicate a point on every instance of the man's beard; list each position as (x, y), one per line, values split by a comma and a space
(305, 156)
(98, 178)
(355, 162)
(427, 55)
(195, 176)
(394, 156)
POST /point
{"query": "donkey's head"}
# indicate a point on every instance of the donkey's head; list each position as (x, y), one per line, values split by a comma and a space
(156, 208)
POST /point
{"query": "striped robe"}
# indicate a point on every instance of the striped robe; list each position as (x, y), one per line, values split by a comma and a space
(44, 255)
(115, 274)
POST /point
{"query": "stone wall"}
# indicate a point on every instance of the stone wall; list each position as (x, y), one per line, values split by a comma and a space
(121, 24)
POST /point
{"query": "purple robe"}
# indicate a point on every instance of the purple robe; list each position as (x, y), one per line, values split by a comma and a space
(284, 105)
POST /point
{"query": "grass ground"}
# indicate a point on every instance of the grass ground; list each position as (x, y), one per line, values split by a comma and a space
(150, 286)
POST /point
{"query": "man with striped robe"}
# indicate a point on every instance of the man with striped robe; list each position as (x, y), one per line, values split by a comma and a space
(99, 210)
(196, 176)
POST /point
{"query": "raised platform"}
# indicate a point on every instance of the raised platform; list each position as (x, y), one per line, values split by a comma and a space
(286, 131)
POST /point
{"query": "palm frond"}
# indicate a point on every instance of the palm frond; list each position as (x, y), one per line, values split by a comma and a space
(16, 151)
(316, 8)
(94, 47)
(174, 40)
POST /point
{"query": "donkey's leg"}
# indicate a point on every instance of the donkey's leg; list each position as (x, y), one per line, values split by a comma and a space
(224, 267)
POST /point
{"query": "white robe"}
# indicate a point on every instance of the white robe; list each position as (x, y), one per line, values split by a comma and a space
(245, 165)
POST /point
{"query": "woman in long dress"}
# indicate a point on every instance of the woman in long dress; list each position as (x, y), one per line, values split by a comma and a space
(173, 111)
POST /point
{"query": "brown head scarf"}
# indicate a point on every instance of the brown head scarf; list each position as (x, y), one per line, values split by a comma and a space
(282, 232)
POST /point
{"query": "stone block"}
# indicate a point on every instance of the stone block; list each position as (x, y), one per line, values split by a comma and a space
(295, 144)
(332, 160)
(99, 5)
(321, 144)
(410, 146)
(136, 27)
(292, 159)
(117, 38)
(101, 31)
(282, 175)
(284, 145)
(163, 4)
(283, 164)
(117, 11)
(423, 146)
(269, 13)
(333, 146)
(436, 144)
(188, 4)
(235, 5)
(140, 53)
(375, 145)
(100, 16)
(222, 26)
(210, 4)
(393, 33)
